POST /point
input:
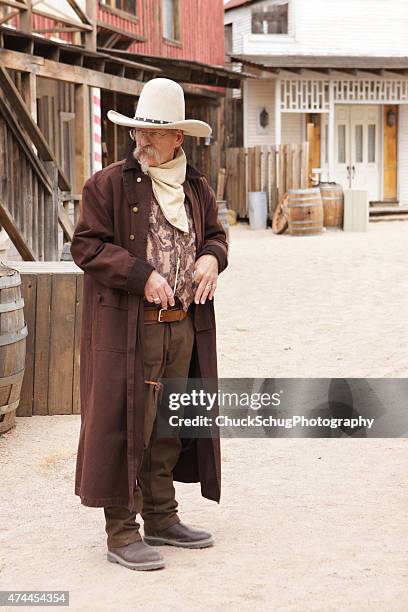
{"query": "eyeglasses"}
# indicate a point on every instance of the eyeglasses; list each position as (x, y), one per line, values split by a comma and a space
(151, 134)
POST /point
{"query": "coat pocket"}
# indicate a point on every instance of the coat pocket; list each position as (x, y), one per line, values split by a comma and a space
(111, 322)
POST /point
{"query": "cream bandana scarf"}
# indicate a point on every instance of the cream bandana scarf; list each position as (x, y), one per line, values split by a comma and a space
(167, 182)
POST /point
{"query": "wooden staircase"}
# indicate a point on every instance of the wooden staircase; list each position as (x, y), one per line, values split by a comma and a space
(387, 211)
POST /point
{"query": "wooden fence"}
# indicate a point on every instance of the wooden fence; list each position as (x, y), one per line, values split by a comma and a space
(265, 168)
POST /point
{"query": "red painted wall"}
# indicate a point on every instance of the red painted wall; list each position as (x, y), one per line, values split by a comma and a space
(201, 29)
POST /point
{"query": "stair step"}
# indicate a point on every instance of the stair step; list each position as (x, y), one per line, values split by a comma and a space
(390, 210)
(377, 218)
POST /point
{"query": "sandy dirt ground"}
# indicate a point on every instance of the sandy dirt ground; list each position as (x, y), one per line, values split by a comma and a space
(303, 524)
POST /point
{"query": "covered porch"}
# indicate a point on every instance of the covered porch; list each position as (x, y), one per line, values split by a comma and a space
(352, 112)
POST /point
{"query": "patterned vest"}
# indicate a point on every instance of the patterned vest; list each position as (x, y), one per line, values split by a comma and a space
(165, 244)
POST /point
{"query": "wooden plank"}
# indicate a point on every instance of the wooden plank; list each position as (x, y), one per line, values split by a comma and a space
(9, 16)
(75, 74)
(7, 221)
(388, 218)
(76, 399)
(14, 4)
(39, 220)
(290, 176)
(304, 165)
(33, 211)
(54, 267)
(42, 343)
(18, 208)
(390, 153)
(60, 380)
(91, 9)
(79, 12)
(51, 206)
(245, 182)
(65, 223)
(25, 226)
(3, 163)
(62, 19)
(221, 184)
(29, 294)
(26, 18)
(41, 196)
(10, 176)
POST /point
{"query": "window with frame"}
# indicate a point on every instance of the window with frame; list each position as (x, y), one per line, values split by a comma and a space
(171, 19)
(270, 17)
(126, 6)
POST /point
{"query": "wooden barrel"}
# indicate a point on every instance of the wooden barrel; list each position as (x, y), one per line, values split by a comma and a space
(333, 204)
(13, 333)
(222, 215)
(304, 211)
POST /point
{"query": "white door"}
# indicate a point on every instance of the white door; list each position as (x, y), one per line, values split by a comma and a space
(357, 147)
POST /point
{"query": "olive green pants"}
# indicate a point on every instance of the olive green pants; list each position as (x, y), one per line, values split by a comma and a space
(167, 352)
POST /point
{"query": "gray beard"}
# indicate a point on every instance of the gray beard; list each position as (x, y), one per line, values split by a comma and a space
(142, 159)
(144, 166)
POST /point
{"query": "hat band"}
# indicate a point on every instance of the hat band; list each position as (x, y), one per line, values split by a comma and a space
(150, 120)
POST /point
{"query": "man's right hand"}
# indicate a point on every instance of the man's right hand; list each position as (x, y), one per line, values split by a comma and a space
(158, 290)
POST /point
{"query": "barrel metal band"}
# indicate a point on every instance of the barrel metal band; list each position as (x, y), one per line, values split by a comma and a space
(15, 337)
(6, 381)
(10, 306)
(11, 280)
(9, 407)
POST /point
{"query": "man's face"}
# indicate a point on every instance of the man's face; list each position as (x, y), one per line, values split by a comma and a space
(155, 146)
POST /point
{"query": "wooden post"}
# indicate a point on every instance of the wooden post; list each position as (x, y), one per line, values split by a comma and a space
(278, 126)
(90, 37)
(26, 18)
(330, 138)
(51, 215)
(29, 86)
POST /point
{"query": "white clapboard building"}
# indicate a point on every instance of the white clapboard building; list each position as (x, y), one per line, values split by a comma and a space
(334, 73)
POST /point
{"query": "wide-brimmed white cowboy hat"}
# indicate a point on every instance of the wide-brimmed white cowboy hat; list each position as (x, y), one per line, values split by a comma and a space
(161, 105)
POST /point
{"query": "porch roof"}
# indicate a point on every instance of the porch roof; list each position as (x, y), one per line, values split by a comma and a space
(186, 70)
(325, 64)
(75, 55)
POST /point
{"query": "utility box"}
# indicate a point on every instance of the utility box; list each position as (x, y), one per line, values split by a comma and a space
(356, 212)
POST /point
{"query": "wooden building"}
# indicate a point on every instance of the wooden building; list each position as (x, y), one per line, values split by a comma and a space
(337, 79)
(63, 68)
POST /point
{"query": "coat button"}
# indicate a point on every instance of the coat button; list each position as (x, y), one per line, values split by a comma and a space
(135, 209)
(139, 180)
(132, 236)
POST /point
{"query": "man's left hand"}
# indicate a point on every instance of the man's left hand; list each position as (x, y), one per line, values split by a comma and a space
(205, 276)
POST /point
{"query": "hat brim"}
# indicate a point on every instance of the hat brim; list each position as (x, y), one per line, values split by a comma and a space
(191, 127)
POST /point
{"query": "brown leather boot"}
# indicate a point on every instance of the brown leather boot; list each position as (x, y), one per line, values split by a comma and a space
(180, 535)
(136, 556)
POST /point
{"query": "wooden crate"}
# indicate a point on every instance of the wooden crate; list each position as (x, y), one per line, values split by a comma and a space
(52, 293)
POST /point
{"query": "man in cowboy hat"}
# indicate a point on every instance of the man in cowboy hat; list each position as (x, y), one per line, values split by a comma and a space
(151, 247)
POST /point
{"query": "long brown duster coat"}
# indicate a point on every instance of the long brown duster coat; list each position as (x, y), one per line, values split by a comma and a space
(109, 245)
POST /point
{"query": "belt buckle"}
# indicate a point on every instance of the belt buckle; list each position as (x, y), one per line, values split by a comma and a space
(158, 318)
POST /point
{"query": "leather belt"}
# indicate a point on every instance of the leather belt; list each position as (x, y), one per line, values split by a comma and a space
(158, 315)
